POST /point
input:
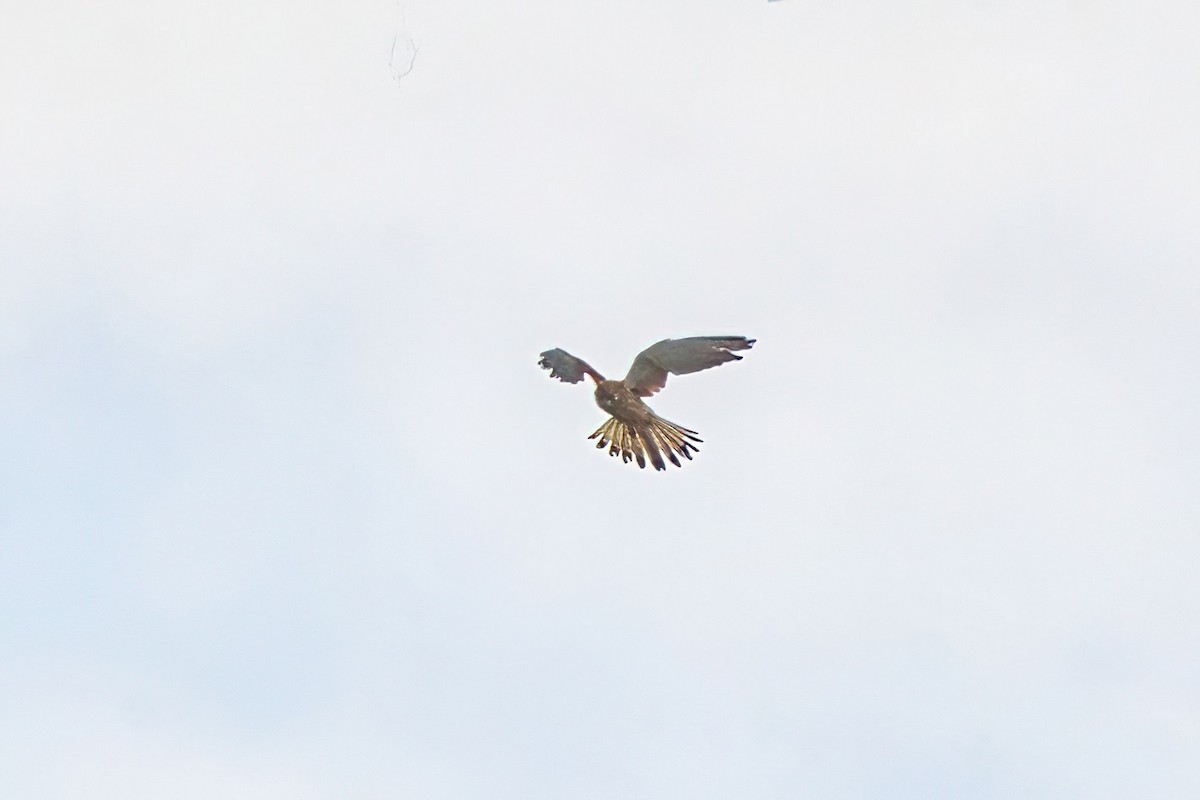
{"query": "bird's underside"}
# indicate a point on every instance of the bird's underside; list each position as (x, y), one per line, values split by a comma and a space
(633, 430)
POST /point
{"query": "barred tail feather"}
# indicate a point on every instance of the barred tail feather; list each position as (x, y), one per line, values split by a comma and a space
(620, 440)
(669, 445)
(647, 439)
(675, 439)
(629, 446)
(651, 442)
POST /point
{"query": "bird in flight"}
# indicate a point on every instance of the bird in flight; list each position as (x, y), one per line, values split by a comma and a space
(633, 430)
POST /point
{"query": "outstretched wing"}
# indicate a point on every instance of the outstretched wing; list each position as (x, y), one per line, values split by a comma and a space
(679, 357)
(566, 367)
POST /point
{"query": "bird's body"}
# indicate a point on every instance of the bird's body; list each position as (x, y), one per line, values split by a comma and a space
(615, 398)
(634, 431)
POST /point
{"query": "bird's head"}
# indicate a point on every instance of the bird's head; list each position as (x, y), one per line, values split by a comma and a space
(607, 392)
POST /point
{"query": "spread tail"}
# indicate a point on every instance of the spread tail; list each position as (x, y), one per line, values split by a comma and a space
(649, 441)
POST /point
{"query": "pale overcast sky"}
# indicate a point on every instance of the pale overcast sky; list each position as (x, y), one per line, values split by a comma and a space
(287, 509)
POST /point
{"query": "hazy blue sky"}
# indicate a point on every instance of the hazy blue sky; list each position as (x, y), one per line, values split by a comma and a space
(287, 509)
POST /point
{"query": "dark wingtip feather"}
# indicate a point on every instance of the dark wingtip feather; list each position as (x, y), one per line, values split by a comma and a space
(742, 340)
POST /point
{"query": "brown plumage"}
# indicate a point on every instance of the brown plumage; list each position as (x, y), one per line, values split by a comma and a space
(634, 431)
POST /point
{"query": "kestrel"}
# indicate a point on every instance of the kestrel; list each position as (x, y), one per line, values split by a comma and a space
(634, 430)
